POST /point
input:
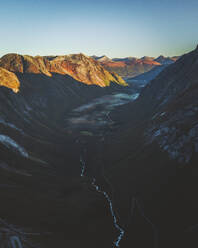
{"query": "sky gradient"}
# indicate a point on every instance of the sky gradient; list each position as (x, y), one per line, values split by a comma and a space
(118, 28)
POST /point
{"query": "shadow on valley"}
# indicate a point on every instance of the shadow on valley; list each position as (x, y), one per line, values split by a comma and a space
(85, 166)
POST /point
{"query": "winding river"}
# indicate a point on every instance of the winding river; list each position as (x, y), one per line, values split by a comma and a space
(117, 226)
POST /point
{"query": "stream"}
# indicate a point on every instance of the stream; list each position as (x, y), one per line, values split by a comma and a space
(117, 226)
(136, 204)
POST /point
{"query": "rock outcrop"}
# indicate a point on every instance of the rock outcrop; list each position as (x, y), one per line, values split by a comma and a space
(9, 80)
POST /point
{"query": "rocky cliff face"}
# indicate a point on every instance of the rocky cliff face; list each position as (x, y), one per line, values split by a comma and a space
(80, 67)
(154, 149)
(9, 80)
(173, 95)
(169, 105)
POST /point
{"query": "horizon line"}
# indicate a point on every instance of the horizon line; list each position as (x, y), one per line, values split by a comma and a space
(110, 57)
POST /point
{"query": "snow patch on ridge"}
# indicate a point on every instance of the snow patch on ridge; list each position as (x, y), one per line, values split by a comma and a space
(2, 121)
(10, 143)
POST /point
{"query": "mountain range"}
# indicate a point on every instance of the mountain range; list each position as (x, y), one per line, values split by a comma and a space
(80, 67)
(132, 66)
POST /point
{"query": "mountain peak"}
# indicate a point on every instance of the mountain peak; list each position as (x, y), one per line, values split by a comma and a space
(161, 57)
(165, 60)
(102, 58)
(147, 58)
(12, 62)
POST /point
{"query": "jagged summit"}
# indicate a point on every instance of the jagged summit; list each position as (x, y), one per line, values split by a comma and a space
(131, 66)
(78, 66)
(147, 58)
(102, 58)
(166, 60)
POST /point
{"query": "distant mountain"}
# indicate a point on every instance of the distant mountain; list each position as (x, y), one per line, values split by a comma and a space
(79, 66)
(102, 58)
(148, 58)
(166, 60)
(131, 66)
(125, 59)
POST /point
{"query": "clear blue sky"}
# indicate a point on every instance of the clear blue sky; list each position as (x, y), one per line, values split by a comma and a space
(117, 28)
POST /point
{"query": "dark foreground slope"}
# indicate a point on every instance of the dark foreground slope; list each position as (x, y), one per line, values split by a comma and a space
(152, 160)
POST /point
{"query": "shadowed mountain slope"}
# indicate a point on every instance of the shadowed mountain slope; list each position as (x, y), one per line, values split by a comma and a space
(154, 153)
